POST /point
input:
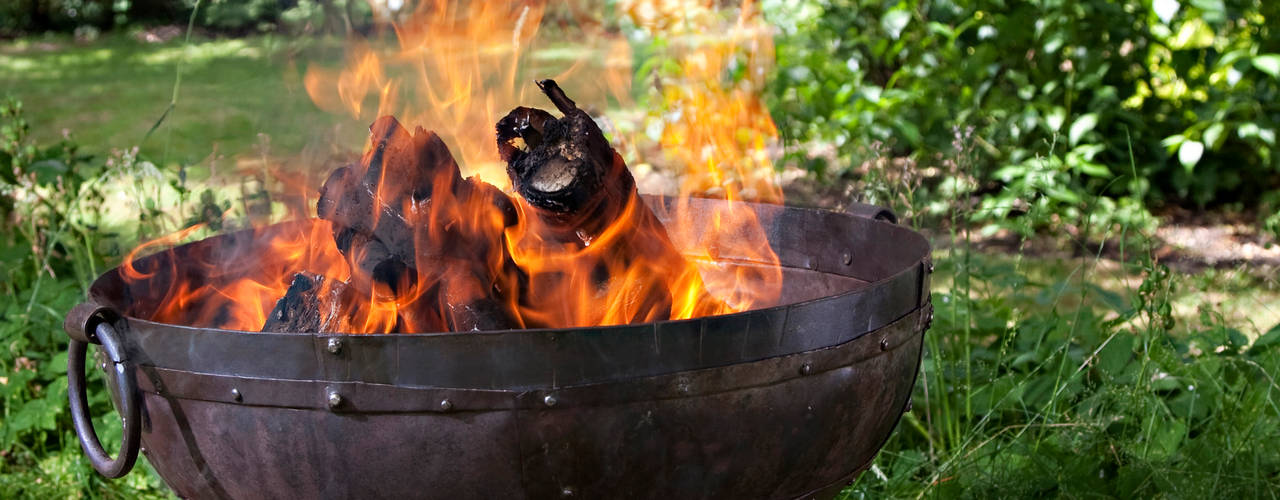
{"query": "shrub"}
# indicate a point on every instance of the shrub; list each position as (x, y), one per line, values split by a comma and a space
(1056, 93)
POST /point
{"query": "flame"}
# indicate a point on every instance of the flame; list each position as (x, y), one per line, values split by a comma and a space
(456, 68)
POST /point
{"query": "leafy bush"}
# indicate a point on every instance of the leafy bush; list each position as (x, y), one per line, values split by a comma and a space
(240, 15)
(49, 201)
(1040, 381)
(1060, 95)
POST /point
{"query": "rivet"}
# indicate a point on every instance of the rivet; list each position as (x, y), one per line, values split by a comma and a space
(806, 369)
(446, 405)
(335, 345)
(884, 344)
(549, 400)
(335, 399)
(848, 258)
(567, 491)
(930, 262)
(235, 394)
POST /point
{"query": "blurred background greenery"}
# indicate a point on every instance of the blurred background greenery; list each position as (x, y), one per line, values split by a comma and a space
(1053, 151)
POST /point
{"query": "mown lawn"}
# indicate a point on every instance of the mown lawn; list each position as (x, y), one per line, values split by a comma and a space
(1070, 375)
(109, 93)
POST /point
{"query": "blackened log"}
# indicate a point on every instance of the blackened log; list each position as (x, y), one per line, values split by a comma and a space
(579, 188)
(564, 167)
(312, 304)
(405, 217)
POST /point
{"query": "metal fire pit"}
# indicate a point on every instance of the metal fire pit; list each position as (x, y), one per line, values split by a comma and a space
(781, 402)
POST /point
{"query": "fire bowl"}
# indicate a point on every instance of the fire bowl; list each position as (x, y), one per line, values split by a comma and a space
(788, 401)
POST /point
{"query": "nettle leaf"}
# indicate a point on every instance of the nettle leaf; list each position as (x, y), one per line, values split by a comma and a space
(1268, 63)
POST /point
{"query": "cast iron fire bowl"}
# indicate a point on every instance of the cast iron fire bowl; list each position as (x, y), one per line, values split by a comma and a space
(782, 402)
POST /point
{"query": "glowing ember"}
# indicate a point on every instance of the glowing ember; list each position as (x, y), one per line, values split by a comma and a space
(406, 243)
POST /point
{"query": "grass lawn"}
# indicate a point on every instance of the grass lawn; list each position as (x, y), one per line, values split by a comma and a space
(1070, 375)
(111, 92)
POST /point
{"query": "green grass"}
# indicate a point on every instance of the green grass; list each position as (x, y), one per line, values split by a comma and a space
(1072, 376)
(111, 92)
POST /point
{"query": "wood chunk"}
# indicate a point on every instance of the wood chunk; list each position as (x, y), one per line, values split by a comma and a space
(581, 191)
(405, 218)
(312, 304)
(564, 167)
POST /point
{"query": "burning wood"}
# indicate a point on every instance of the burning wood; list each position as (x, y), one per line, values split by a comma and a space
(312, 304)
(420, 236)
(586, 203)
(431, 251)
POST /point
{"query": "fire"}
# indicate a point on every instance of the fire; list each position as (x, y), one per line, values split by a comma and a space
(455, 69)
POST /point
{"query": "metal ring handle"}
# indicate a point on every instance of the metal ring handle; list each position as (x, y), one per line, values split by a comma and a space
(873, 212)
(128, 406)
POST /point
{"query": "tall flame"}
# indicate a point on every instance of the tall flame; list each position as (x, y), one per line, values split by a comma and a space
(456, 68)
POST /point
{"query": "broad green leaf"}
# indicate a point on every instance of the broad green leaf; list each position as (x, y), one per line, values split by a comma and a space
(1167, 438)
(1189, 154)
(1116, 354)
(1165, 9)
(1268, 63)
(1194, 34)
(1213, 11)
(1055, 118)
(1213, 136)
(909, 131)
(1082, 126)
(1172, 142)
(1272, 337)
(48, 171)
(895, 21)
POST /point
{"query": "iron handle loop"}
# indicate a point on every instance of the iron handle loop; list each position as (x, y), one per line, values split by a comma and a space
(104, 333)
(873, 212)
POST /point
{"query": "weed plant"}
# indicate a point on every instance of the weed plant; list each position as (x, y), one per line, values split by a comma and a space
(1038, 381)
(50, 201)
(1041, 377)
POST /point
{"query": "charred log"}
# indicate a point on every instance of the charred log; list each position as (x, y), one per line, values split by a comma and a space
(564, 167)
(312, 304)
(411, 226)
(582, 194)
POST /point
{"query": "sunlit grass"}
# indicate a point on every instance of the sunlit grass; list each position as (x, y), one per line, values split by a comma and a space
(1044, 375)
(110, 93)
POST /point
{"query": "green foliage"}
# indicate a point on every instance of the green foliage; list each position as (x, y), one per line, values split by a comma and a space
(1190, 88)
(48, 200)
(240, 15)
(1038, 380)
(86, 18)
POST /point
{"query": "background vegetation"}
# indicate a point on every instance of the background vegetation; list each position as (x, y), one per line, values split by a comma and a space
(1089, 370)
(1054, 97)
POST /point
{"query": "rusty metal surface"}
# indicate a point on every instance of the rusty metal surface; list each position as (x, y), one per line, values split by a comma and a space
(782, 402)
(768, 429)
(884, 282)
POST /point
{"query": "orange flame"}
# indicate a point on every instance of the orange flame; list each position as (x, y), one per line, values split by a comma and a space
(456, 68)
